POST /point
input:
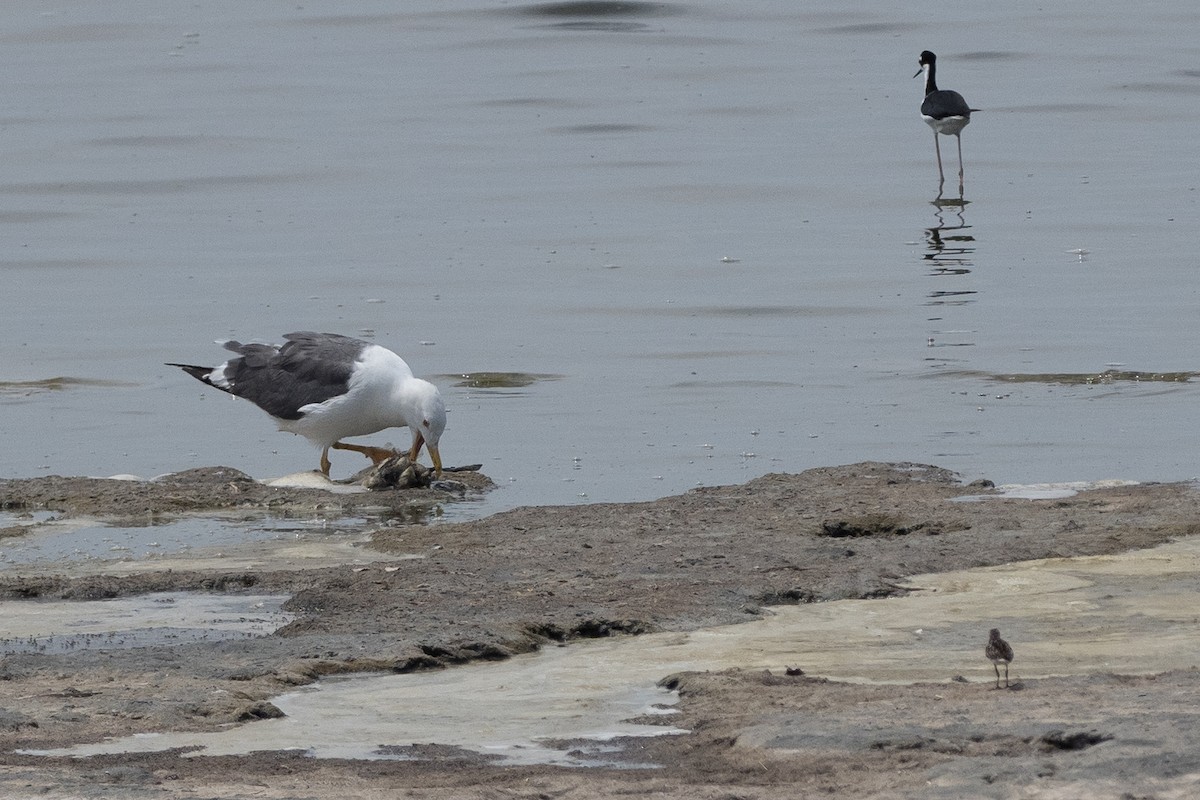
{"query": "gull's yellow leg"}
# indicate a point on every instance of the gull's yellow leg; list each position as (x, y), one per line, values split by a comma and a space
(377, 454)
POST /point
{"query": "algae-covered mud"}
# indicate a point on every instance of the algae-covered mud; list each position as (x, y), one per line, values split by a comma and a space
(887, 700)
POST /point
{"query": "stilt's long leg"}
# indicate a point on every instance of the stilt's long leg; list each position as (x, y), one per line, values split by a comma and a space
(937, 148)
(960, 165)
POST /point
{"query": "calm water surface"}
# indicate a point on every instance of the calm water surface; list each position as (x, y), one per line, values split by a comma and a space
(709, 226)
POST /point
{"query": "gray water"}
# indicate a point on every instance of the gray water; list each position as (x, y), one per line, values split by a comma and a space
(48, 541)
(158, 618)
(711, 223)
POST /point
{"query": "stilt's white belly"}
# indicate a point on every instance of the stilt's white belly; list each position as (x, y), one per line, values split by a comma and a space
(947, 126)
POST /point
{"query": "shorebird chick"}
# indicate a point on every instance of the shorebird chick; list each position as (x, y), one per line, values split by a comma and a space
(998, 650)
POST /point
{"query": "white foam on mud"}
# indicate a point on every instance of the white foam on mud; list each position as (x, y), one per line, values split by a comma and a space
(1043, 491)
(1129, 613)
(314, 480)
(310, 479)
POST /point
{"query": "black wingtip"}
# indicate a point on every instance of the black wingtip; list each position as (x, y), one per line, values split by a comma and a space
(199, 373)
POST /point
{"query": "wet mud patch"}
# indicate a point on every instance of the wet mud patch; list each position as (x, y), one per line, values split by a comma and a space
(500, 380)
(62, 383)
(886, 525)
(209, 489)
(1104, 377)
(435, 753)
(216, 519)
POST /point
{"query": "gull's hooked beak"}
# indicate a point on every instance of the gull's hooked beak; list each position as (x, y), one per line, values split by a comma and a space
(434, 455)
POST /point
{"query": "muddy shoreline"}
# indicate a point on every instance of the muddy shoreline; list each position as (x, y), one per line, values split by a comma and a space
(533, 577)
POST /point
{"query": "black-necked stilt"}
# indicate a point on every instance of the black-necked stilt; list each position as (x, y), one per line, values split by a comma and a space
(946, 112)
